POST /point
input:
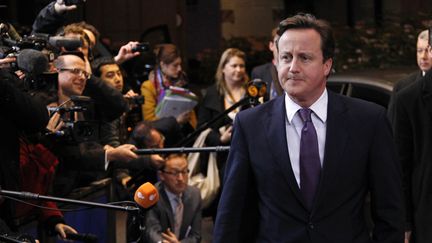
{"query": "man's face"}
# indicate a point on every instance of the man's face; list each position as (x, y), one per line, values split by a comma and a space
(301, 68)
(111, 73)
(71, 76)
(175, 175)
(424, 57)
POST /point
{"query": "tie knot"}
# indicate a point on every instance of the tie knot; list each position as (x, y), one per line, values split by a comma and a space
(305, 114)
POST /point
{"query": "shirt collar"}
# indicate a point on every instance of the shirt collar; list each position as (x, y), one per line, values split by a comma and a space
(319, 108)
(171, 196)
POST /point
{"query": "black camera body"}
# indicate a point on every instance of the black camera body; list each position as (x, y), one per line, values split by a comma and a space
(76, 131)
(141, 47)
(135, 100)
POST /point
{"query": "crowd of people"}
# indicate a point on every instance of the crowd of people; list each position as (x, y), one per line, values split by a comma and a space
(300, 167)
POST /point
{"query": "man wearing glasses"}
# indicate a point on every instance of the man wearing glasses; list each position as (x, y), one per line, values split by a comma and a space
(177, 215)
(81, 162)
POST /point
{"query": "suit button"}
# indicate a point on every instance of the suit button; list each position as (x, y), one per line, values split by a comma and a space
(311, 226)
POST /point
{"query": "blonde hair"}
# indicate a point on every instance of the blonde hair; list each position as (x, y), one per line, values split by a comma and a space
(226, 56)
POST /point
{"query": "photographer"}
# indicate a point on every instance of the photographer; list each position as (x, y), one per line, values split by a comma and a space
(21, 114)
(114, 133)
(83, 162)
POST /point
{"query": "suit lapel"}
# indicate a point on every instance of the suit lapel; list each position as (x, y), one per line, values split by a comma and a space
(274, 122)
(187, 212)
(336, 140)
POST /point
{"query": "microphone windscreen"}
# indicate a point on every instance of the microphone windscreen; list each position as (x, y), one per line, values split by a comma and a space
(146, 195)
(32, 61)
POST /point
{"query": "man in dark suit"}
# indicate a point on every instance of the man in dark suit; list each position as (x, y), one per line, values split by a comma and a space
(267, 72)
(177, 215)
(424, 62)
(301, 165)
(412, 126)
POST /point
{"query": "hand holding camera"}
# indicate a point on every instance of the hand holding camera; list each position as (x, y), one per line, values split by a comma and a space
(130, 50)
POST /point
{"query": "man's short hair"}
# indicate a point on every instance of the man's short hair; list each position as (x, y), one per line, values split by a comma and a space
(99, 62)
(308, 21)
(424, 35)
(173, 156)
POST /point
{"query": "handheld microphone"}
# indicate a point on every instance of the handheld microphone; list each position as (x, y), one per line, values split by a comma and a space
(146, 195)
(32, 61)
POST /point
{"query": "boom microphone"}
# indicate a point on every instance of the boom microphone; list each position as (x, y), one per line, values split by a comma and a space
(146, 195)
(32, 61)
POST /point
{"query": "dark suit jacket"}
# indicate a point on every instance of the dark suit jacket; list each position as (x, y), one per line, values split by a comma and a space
(359, 157)
(161, 217)
(413, 136)
(263, 72)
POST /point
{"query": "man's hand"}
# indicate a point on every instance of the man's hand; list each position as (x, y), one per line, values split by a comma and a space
(183, 117)
(157, 161)
(125, 53)
(226, 135)
(55, 123)
(130, 94)
(62, 229)
(61, 8)
(169, 237)
(122, 153)
(6, 62)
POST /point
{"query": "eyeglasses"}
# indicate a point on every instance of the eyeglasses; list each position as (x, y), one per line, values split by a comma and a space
(176, 173)
(77, 71)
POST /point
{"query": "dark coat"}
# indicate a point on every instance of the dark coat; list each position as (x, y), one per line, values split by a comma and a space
(413, 135)
(401, 84)
(359, 157)
(20, 113)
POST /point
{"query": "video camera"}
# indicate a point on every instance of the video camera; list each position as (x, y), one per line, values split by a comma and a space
(74, 130)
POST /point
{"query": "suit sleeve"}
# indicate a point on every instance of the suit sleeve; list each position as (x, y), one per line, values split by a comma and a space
(109, 103)
(385, 184)
(48, 21)
(153, 227)
(235, 196)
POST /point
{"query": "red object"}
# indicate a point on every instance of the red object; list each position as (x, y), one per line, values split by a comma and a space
(37, 167)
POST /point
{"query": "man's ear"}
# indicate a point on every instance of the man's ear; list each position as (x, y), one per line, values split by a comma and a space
(328, 66)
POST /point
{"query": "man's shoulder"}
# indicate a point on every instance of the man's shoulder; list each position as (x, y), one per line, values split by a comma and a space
(407, 81)
(354, 104)
(261, 110)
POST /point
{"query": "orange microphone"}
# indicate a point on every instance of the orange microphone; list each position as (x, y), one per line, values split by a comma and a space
(146, 195)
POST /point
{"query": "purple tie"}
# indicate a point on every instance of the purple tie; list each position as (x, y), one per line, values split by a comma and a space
(310, 165)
